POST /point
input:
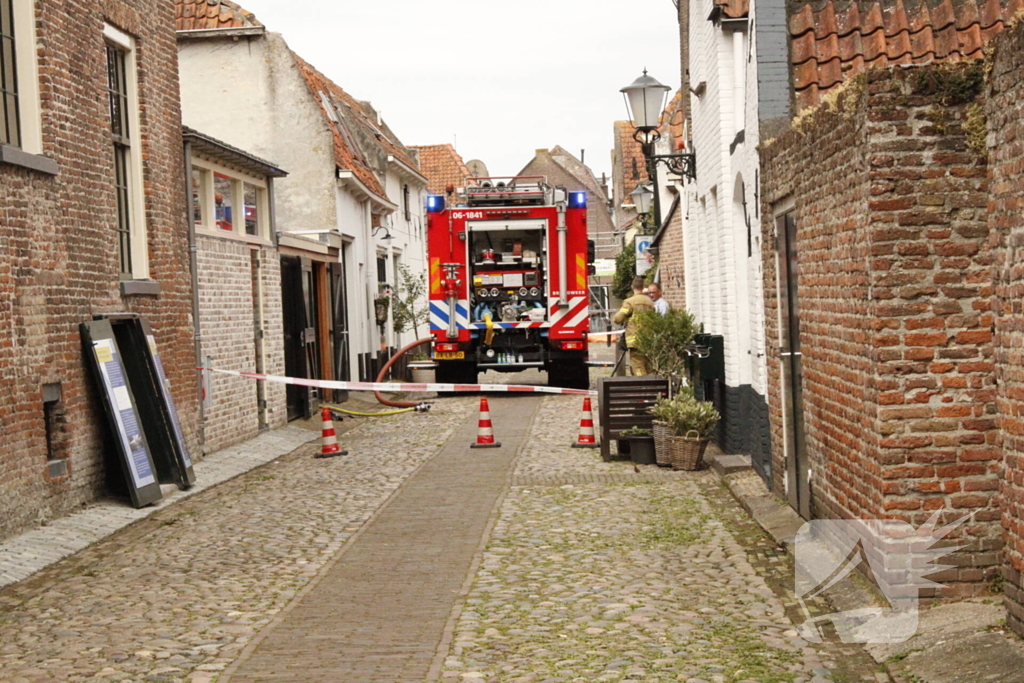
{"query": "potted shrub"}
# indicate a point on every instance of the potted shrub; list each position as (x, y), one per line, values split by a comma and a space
(664, 339)
(682, 429)
(641, 445)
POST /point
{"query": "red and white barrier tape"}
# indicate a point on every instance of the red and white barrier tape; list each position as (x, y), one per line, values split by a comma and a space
(598, 336)
(393, 386)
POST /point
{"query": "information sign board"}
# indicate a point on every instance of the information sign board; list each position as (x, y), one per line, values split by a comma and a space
(108, 367)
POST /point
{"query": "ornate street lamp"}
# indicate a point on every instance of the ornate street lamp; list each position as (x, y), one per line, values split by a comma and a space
(642, 196)
(645, 101)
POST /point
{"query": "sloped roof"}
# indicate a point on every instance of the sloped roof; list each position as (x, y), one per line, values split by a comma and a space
(192, 15)
(577, 169)
(442, 166)
(834, 40)
(347, 155)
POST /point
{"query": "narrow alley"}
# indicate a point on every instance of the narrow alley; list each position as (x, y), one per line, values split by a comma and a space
(415, 558)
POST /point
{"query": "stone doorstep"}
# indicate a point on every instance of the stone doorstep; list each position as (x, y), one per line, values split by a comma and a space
(968, 633)
(729, 464)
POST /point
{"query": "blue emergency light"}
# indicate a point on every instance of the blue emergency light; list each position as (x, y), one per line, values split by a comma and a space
(435, 203)
(577, 200)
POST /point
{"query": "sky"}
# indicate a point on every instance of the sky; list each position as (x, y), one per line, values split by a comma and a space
(497, 80)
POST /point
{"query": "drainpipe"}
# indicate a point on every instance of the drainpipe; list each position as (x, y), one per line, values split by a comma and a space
(194, 274)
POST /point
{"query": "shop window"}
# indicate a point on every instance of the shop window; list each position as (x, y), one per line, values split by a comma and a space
(224, 201)
(252, 209)
(200, 181)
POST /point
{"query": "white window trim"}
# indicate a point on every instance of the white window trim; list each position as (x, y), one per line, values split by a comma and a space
(25, 54)
(136, 194)
(237, 217)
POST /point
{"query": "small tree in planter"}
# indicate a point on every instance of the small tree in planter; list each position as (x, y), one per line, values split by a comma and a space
(663, 339)
(682, 430)
(408, 302)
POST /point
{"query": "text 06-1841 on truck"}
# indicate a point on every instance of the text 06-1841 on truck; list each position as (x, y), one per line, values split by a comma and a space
(509, 264)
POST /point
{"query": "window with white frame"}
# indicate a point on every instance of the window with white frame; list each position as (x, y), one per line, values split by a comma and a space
(19, 78)
(126, 146)
(229, 203)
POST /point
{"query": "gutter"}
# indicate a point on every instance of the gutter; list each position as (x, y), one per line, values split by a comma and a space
(197, 33)
(349, 178)
(407, 169)
(193, 268)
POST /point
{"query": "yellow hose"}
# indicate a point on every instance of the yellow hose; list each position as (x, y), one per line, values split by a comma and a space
(489, 335)
(354, 412)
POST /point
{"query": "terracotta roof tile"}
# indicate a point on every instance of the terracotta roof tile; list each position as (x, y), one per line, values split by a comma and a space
(733, 9)
(347, 154)
(442, 166)
(838, 39)
(190, 15)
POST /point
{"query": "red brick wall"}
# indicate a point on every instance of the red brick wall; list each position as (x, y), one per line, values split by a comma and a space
(671, 262)
(830, 201)
(895, 292)
(1006, 219)
(58, 252)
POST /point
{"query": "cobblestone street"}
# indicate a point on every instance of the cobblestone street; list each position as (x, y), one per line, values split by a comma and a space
(417, 559)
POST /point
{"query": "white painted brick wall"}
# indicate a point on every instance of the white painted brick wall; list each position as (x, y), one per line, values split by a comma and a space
(723, 283)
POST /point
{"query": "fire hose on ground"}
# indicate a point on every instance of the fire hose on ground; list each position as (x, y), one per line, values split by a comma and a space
(408, 405)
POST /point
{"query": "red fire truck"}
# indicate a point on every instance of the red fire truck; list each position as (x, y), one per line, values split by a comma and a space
(508, 280)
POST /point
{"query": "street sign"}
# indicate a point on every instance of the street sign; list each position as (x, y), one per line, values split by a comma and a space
(644, 257)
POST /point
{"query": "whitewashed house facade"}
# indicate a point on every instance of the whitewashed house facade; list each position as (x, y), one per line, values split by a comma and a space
(353, 186)
(738, 81)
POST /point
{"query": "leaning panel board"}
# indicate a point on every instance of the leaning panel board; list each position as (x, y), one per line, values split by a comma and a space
(108, 367)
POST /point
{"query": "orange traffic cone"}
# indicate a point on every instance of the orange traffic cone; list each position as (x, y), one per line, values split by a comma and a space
(484, 432)
(329, 440)
(586, 438)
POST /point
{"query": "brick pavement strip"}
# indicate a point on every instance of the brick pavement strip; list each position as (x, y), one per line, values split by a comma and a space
(377, 613)
(178, 595)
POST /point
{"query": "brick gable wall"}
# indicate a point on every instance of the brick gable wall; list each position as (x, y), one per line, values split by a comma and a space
(894, 291)
(58, 259)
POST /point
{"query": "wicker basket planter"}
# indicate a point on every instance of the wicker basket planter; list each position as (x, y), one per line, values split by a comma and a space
(678, 452)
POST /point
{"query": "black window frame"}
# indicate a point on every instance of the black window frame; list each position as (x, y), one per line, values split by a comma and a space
(406, 203)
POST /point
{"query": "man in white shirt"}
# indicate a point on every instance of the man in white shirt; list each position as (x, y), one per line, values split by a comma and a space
(660, 305)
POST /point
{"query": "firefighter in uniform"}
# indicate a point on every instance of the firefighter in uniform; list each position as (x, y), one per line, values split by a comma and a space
(638, 302)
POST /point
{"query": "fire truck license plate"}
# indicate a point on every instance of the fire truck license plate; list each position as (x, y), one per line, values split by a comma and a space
(450, 355)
